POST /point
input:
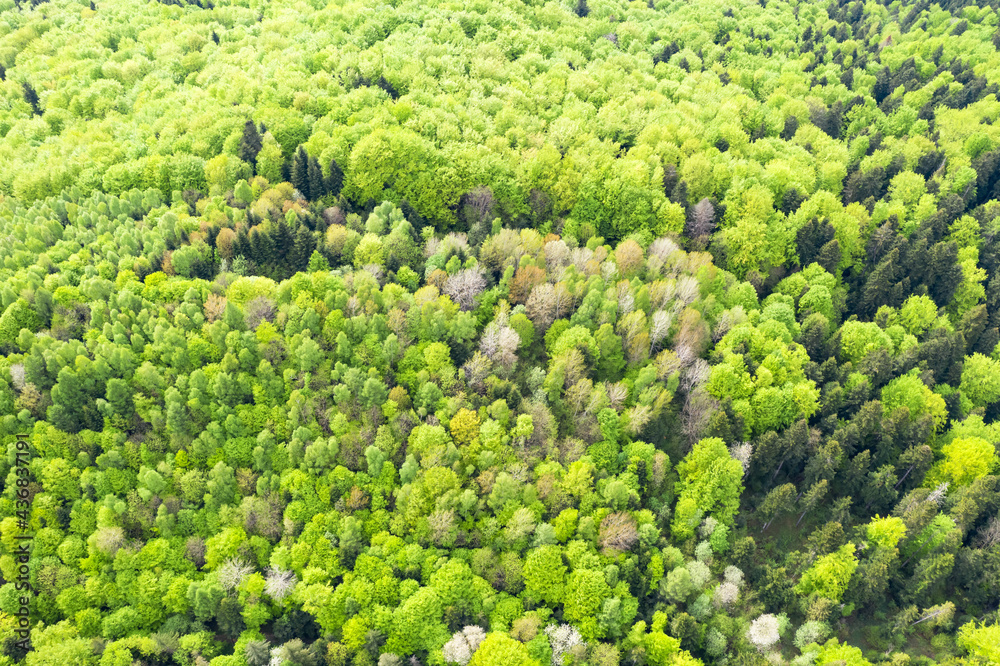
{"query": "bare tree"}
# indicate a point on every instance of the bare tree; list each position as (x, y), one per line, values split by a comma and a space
(443, 527)
(687, 289)
(659, 327)
(110, 539)
(215, 307)
(742, 452)
(464, 286)
(258, 310)
(17, 375)
(618, 532)
(478, 204)
(232, 573)
(617, 394)
(279, 583)
(989, 535)
(556, 256)
(477, 369)
(698, 409)
(563, 299)
(639, 417)
(194, 550)
(626, 301)
(663, 248)
(695, 375)
(541, 306)
(701, 221)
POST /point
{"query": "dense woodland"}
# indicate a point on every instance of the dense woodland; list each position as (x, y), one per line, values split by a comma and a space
(501, 332)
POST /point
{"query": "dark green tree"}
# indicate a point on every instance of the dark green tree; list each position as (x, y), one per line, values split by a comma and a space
(250, 143)
(302, 249)
(300, 172)
(335, 181)
(317, 185)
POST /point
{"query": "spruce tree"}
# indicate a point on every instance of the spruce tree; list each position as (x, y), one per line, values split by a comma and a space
(302, 249)
(262, 249)
(31, 97)
(242, 245)
(300, 172)
(335, 182)
(251, 143)
(314, 173)
(283, 240)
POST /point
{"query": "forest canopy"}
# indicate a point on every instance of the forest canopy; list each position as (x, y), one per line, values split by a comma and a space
(579, 332)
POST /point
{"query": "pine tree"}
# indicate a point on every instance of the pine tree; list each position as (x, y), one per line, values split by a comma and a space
(250, 144)
(314, 173)
(335, 182)
(581, 8)
(300, 172)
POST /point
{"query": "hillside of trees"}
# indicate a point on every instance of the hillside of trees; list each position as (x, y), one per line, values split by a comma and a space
(579, 332)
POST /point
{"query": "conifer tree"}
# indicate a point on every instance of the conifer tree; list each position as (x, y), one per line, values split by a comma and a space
(335, 182)
(314, 173)
(262, 249)
(31, 97)
(300, 172)
(283, 240)
(242, 245)
(302, 249)
(251, 143)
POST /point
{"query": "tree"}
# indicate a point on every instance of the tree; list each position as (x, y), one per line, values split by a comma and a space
(544, 574)
(586, 591)
(763, 632)
(251, 143)
(779, 501)
(498, 648)
(981, 642)
(980, 379)
(710, 482)
(270, 159)
(464, 286)
(335, 180)
(300, 172)
(17, 316)
(302, 249)
(257, 653)
(829, 576)
(965, 460)
(886, 532)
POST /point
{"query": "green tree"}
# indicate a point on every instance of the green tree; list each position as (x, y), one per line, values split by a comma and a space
(17, 316)
(981, 380)
(710, 483)
(830, 575)
(499, 648)
(545, 574)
